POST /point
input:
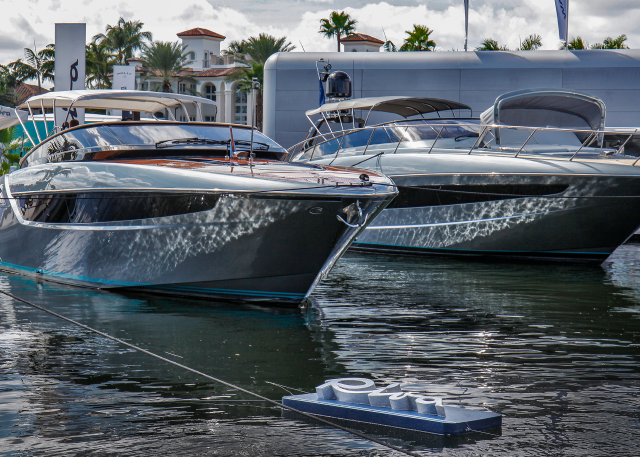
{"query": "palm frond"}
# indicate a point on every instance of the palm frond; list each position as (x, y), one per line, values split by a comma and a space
(337, 25)
(489, 44)
(531, 43)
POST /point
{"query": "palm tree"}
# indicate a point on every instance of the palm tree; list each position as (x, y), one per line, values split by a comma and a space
(531, 43)
(389, 46)
(245, 75)
(9, 150)
(124, 39)
(264, 46)
(253, 53)
(99, 63)
(489, 44)
(236, 48)
(337, 25)
(576, 44)
(168, 59)
(39, 65)
(418, 39)
(8, 82)
(612, 43)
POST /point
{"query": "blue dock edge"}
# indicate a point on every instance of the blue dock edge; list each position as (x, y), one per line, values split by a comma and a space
(458, 420)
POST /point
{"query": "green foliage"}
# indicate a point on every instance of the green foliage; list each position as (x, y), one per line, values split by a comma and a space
(531, 43)
(418, 39)
(168, 59)
(8, 82)
(236, 48)
(246, 74)
(612, 43)
(263, 46)
(99, 63)
(10, 148)
(489, 44)
(253, 53)
(245, 77)
(575, 44)
(123, 39)
(337, 25)
(38, 65)
(389, 46)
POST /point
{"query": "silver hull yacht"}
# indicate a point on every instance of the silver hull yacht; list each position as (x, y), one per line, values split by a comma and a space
(552, 189)
(195, 208)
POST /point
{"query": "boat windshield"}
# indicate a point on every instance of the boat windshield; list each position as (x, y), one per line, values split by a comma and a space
(396, 136)
(153, 139)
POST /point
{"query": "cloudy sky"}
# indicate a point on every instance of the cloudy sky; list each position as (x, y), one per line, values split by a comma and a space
(23, 22)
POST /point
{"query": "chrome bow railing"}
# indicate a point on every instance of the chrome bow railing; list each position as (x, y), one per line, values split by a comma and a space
(460, 136)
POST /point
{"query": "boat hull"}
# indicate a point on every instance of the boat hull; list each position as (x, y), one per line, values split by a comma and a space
(181, 230)
(584, 223)
(244, 248)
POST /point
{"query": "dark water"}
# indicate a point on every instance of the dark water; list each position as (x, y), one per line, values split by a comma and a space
(555, 349)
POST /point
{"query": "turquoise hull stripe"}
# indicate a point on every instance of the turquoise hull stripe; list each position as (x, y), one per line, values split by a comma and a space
(68, 276)
(482, 250)
(155, 286)
(231, 291)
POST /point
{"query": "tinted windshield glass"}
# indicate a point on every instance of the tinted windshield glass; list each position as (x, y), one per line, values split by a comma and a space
(146, 135)
(152, 133)
(445, 128)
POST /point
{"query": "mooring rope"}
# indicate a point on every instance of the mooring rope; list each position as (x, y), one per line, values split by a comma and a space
(220, 381)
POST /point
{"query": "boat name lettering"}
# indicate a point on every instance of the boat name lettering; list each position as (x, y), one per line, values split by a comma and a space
(364, 391)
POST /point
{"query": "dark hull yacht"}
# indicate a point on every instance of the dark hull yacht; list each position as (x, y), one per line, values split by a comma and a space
(534, 178)
(188, 208)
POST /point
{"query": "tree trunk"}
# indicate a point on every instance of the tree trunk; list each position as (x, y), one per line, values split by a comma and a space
(338, 42)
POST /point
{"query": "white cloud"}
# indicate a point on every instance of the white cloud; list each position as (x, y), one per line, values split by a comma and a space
(508, 22)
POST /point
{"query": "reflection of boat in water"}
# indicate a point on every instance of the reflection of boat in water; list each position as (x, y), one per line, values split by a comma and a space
(537, 177)
(179, 207)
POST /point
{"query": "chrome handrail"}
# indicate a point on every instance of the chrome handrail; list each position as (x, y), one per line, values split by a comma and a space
(340, 134)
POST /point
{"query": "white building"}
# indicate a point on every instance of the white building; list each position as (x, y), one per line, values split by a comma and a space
(209, 68)
(359, 42)
(474, 78)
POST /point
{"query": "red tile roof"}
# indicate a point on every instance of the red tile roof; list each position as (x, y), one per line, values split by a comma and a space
(155, 72)
(356, 37)
(136, 59)
(201, 32)
(214, 72)
(24, 91)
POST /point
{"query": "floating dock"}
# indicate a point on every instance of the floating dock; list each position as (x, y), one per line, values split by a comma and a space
(358, 400)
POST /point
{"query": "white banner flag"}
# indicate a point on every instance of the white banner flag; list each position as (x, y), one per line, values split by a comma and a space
(9, 117)
(562, 10)
(466, 23)
(70, 66)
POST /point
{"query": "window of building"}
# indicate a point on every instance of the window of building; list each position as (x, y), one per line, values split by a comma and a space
(241, 107)
(210, 92)
(209, 118)
(192, 56)
(185, 88)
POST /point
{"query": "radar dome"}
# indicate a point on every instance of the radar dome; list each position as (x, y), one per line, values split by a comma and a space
(338, 85)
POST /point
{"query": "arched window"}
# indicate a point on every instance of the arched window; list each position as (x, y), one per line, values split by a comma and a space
(241, 106)
(210, 92)
(192, 56)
